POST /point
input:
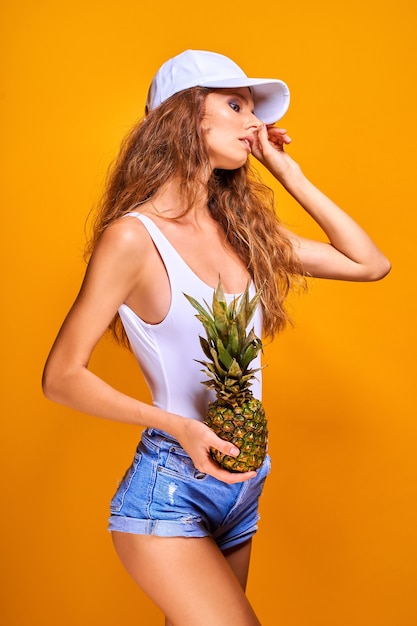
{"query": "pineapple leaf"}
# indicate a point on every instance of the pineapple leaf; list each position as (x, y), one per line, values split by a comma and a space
(251, 306)
(235, 370)
(241, 316)
(198, 306)
(207, 323)
(241, 312)
(233, 345)
(219, 308)
(224, 355)
(250, 350)
(219, 294)
(204, 316)
(205, 346)
(247, 356)
(218, 368)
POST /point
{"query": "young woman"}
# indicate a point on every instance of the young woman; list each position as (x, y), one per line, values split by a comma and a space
(182, 207)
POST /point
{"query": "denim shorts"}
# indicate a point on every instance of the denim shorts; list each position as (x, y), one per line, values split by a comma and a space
(163, 494)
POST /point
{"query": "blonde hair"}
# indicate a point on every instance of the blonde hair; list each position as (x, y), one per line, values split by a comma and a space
(169, 142)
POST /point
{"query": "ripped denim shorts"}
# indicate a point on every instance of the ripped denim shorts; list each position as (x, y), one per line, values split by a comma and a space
(163, 494)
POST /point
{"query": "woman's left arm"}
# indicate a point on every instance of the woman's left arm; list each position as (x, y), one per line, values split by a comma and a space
(350, 253)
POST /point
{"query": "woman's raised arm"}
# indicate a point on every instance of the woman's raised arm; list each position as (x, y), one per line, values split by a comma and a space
(350, 254)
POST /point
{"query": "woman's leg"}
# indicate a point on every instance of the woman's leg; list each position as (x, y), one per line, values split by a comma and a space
(189, 578)
(238, 559)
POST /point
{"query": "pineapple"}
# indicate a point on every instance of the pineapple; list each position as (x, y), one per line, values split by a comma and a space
(235, 415)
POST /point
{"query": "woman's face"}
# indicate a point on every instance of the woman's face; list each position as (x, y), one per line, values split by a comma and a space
(230, 127)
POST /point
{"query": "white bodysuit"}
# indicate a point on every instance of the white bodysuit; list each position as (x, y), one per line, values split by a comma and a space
(166, 352)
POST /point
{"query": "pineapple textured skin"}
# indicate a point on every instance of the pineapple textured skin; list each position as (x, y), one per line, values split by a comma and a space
(235, 416)
(245, 427)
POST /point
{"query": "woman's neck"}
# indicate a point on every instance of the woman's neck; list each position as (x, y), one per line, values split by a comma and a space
(168, 202)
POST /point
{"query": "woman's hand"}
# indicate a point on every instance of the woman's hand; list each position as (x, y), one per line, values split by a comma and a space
(197, 438)
(268, 148)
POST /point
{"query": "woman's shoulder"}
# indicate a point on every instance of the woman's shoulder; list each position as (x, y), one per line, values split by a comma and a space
(126, 235)
(124, 246)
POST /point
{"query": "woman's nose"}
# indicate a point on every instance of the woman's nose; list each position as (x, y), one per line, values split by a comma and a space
(253, 122)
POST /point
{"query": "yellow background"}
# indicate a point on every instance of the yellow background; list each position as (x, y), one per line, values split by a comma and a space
(338, 541)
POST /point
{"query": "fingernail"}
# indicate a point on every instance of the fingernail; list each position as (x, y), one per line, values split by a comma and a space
(234, 451)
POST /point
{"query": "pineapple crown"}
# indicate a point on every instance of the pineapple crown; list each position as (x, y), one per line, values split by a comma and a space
(229, 347)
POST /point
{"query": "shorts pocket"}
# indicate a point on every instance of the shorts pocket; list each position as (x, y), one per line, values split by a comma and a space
(117, 501)
(177, 463)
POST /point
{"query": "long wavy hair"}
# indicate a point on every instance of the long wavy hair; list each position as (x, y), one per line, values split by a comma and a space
(170, 142)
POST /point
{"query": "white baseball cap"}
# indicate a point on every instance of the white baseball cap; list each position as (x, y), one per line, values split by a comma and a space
(199, 68)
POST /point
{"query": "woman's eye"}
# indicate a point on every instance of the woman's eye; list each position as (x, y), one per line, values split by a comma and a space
(235, 106)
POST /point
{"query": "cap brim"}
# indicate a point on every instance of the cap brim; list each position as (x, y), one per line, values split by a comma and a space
(271, 97)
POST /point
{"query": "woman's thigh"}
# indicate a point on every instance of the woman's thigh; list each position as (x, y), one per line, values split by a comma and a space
(188, 578)
(239, 559)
